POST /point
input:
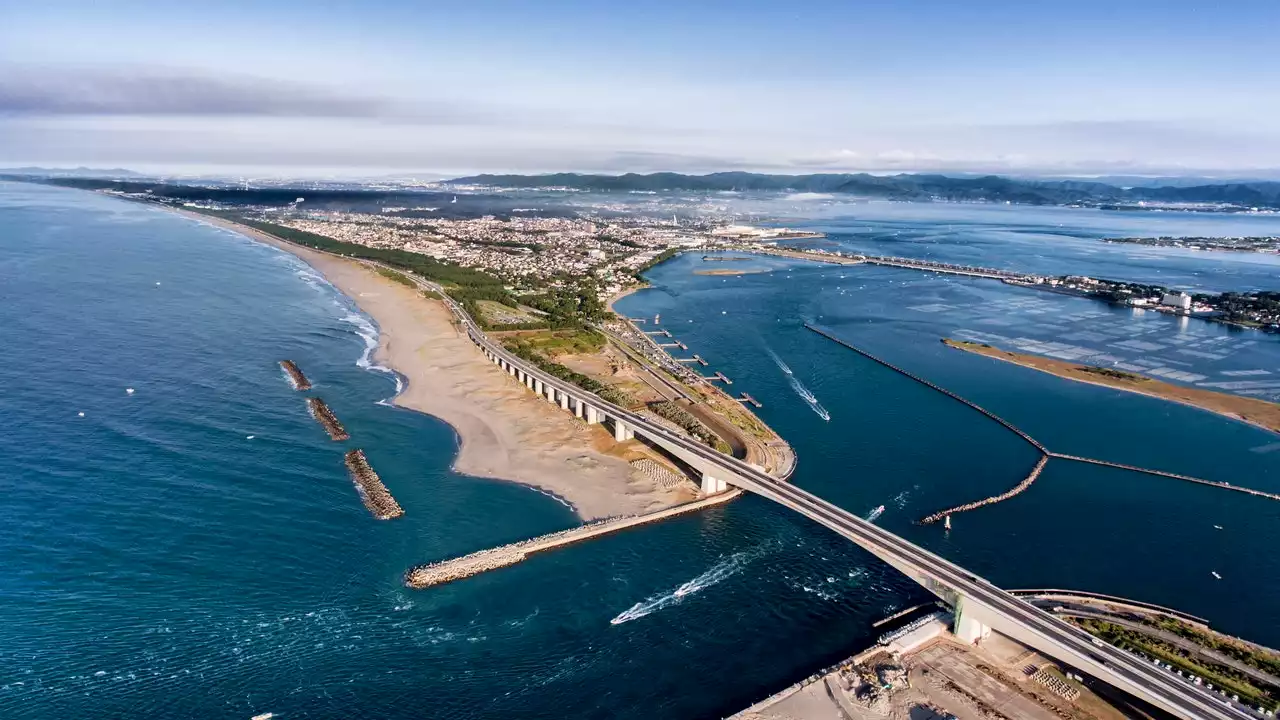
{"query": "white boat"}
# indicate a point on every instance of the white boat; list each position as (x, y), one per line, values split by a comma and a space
(1215, 574)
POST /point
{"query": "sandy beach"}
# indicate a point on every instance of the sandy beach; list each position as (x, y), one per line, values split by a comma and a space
(505, 432)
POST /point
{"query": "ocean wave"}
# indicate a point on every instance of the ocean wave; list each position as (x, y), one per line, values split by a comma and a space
(365, 328)
(718, 572)
(551, 495)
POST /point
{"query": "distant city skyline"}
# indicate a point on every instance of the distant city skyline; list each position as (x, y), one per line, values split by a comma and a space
(395, 87)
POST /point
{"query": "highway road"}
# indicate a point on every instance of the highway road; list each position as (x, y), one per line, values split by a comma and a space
(1054, 637)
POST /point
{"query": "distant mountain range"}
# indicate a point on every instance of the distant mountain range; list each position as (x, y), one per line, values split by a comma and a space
(72, 172)
(993, 188)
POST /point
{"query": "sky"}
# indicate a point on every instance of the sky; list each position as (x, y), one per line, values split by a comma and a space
(331, 88)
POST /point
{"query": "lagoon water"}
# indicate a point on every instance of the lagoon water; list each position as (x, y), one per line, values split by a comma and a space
(156, 560)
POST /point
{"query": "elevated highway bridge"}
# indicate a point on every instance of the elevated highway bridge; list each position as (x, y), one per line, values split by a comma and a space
(979, 606)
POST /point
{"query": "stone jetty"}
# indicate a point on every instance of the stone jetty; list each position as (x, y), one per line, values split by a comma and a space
(445, 571)
(1175, 476)
(373, 493)
(327, 419)
(1043, 451)
(1010, 426)
(1016, 489)
(296, 378)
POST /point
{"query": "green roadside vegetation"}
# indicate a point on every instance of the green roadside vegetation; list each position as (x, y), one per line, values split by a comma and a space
(1255, 657)
(571, 303)
(425, 266)
(678, 415)
(521, 349)
(1221, 677)
(397, 276)
(554, 343)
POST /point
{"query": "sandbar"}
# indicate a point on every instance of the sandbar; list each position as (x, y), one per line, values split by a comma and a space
(1256, 412)
(505, 432)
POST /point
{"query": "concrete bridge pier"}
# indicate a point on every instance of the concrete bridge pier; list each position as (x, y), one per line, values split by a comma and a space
(579, 409)
(968, 627)
(592, 416)
(713, 486)
(564, 402)
(622, 433)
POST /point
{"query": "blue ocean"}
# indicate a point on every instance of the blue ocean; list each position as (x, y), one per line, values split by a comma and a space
(195, 549)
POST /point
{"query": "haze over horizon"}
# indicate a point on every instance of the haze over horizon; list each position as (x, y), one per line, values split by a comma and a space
(392, 87)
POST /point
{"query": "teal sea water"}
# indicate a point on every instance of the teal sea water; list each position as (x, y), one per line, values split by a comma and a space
(158, 561)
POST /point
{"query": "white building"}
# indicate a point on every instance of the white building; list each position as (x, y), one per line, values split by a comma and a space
(1179, 300)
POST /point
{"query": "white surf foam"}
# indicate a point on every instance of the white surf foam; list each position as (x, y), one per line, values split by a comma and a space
(721, 570)
(875, 514)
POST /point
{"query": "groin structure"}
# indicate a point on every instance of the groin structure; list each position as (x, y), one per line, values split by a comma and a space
(446, 571)
(1162, 473)
(296, 378)
(1016, 489)
(1034, 443)
(1045, 453)
(373, 493)
(327, 419)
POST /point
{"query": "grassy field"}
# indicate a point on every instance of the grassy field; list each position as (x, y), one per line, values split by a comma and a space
(554, 343)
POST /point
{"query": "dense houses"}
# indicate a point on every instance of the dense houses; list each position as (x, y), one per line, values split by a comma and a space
(525, 251)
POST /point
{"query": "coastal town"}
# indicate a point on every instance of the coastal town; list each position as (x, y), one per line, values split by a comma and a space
(532, 254)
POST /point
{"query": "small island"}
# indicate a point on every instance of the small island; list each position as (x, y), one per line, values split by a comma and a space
(1257, 412)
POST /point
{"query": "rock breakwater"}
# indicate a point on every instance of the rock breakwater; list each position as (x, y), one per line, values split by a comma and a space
(373, 493)
(327, 419)
(296, 378)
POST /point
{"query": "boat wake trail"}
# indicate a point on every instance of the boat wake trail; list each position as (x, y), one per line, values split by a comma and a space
(781, 365)
(721, 570)
(799, 387)
(875, 514)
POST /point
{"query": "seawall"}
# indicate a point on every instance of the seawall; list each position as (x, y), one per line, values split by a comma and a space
(446, 571)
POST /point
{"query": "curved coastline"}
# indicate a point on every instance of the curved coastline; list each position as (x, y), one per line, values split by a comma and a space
(503, 433)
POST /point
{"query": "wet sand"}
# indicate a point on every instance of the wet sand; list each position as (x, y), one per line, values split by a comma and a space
(505, 431)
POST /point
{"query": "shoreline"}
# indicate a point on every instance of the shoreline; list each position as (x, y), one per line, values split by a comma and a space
(1063, 369)
(503, 433)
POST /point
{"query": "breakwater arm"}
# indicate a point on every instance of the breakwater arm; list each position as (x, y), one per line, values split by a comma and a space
(296, 378)
(1162, 473)
(327, 419)
(1016, 489)
(446, 571)
(1034, 443)
(373, 493)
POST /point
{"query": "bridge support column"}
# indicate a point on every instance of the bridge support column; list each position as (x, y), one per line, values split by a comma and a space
(529, 381)
(621, 432)
(551, 394)
(537, 386)
(564, 401)
(713, 486)
(578, 408)
(968, 628)
(593, 416)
